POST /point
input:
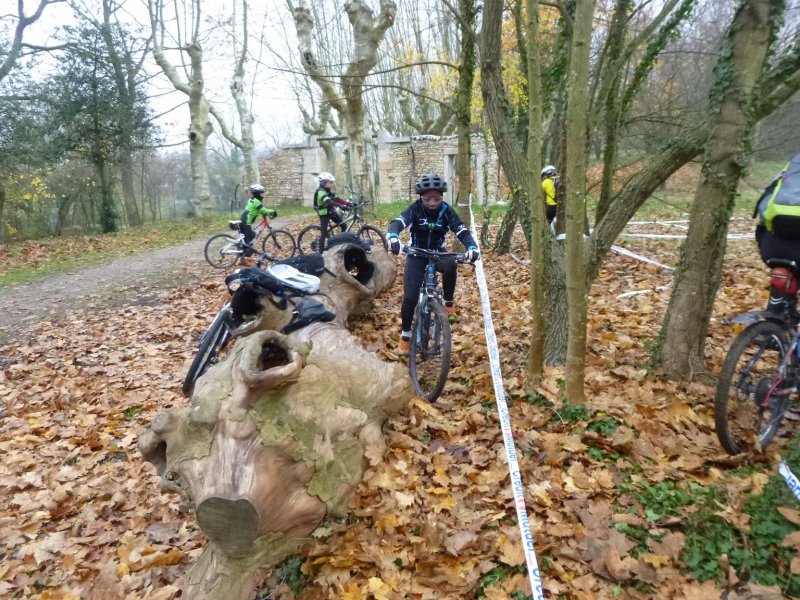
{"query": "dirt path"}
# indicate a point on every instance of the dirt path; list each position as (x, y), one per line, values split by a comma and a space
(131, 279)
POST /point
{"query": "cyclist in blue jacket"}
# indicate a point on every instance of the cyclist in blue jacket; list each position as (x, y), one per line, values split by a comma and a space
(254, 208)
(428, 220)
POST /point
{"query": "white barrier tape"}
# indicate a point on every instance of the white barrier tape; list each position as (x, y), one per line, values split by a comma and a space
(626, 252)
(505, 422)
(667, 236)
(639, 292)
(791, 480)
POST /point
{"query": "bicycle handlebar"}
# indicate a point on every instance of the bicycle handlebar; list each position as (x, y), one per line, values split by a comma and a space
(412, 251)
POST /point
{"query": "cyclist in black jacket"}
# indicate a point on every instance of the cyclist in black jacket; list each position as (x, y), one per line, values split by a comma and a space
(428, 219)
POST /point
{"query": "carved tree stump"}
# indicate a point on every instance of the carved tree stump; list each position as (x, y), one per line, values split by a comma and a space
(275, 436)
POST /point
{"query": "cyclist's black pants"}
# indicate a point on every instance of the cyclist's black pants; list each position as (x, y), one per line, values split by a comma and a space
(324, 222)
(412, 280)
(248, 232)
(550, 211)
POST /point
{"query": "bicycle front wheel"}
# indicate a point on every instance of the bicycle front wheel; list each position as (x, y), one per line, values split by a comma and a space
(213, 341)
(371, 235)
(222, 251)
(751, 397)
(278, 245)
(308, 239)
(429, 357)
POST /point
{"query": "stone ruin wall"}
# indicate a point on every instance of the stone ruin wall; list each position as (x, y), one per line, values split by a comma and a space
(290, 173)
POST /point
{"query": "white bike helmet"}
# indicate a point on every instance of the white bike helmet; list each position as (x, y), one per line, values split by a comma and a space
(257, 188)
(292, 278)
(325, 176)
(549, 171)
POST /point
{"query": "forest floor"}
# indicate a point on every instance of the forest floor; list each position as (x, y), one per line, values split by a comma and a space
(629, 495)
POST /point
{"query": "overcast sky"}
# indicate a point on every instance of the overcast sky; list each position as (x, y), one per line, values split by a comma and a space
(274, 107)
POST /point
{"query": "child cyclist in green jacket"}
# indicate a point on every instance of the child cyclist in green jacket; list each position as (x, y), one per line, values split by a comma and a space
(326, 204)
(254, 208)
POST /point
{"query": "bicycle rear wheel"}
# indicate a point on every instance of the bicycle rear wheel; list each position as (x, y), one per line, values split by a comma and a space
(372, 236)
(222, 251)
(308, 239)
(278, 245)
(751, 399)
(213, 341)
(429, 357)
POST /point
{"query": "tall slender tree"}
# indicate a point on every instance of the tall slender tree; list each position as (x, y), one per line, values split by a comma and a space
(732, 103)
(189, 19)
(344, 91)
(576, 199)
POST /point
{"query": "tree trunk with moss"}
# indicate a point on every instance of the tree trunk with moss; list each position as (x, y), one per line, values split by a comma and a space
(739, 69)
(277, 435)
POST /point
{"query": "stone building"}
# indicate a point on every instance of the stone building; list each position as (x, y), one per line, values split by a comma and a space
(290, 174)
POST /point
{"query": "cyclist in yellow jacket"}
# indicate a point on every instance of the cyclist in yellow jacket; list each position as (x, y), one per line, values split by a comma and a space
(549, 183)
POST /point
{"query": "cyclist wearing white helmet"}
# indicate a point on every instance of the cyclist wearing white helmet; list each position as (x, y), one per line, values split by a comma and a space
(254, 208)
(325, 203)
(550, 184)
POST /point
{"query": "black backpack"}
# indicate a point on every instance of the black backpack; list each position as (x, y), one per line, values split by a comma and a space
(310, 264)
(307, 312)
(256, 282)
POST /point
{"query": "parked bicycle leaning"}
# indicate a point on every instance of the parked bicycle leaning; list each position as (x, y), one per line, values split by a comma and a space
(310, 238)
(428, 220)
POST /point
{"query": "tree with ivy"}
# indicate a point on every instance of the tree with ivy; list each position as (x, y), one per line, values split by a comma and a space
(732, 105)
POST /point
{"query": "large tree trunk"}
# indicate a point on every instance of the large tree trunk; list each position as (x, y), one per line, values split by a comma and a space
(2, 214)
(277, 435)
(741, 63)
(576, 200)
(466, 75)
(368, 34)
(512, 159)
(199, 110)
(538, 220)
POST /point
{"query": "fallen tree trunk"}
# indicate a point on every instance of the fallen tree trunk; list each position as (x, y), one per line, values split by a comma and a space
(276, 436)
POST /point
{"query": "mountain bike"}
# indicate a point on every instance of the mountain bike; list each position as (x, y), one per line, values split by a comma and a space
(431, 338)
(224, 250)
(308, 238)
(759, 378)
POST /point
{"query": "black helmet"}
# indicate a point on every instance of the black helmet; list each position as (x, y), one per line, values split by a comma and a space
(430, 182)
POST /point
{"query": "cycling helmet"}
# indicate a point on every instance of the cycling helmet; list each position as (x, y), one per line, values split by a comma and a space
(549, 171)
(294, 279)
(430, 182)
(257, 188)
(325, 176)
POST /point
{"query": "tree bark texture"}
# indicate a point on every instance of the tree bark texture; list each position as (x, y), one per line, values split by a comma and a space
(739, 70)
(576, 200)
(466, 76)
(368, 34)
(199, 110)
(537, 210)
(276, 436)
